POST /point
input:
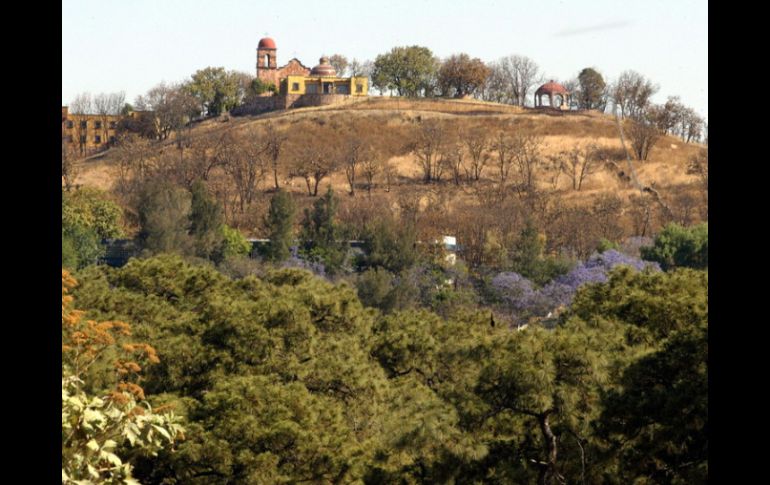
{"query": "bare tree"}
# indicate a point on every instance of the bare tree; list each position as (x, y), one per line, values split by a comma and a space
(453, 157)
(578, 163)
(275, 141)
(642, 134)
(371, 166)
(339, 63)
(81, 106)
(526, 153)
(632, 92)
(171, 106)
(313, 161)
(497, 86)
(521, 75)
(476, 141)
(353, 152)
(503, 145)
(699, 166)
(106, 106)
(243, 159)
(428, 146)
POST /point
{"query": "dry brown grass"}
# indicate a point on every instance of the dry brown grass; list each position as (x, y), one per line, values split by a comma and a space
(391, 122)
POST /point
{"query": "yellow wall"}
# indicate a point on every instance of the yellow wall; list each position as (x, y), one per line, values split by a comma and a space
(301, 82)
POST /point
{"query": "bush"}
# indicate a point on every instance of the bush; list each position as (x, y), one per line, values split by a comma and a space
(678, 246)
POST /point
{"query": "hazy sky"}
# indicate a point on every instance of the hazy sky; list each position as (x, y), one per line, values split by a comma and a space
(111, 45)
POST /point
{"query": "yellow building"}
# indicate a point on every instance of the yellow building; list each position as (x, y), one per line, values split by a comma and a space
(323, 80)
(88, 133)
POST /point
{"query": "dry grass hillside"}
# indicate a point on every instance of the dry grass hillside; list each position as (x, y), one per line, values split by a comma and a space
(391, 124)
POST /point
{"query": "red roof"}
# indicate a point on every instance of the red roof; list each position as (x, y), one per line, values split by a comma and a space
(551, 87)
(266, 43)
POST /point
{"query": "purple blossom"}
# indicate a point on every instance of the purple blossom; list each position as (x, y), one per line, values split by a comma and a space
(521, 296)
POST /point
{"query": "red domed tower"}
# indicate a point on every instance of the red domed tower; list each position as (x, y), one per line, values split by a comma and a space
(267, 62)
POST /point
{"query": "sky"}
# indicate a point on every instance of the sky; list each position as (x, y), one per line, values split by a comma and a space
(112, 45)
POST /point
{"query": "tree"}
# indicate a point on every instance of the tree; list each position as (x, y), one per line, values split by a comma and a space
(107, 105)
(632, 93)
(526, 153)
(79, 110)
(97, 424)
(215, 89)
(206, 220)
(430, 143)
(657, 422)
(592, 89)
(169, 108)
(408, 70)
(643, 134)
(244, 159)
(520, 75)
(677, 246)
(164, 218)
(476, 141)
(321, 234)
(88, 217)
(314, 161)
(280, 224)
(461, 76)
(339, 63)
(503, 145)
(354, 152)
(275, 141)
(578, 163)
(258, 87)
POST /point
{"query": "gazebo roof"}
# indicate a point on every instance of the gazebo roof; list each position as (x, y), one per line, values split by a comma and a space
(551, 87)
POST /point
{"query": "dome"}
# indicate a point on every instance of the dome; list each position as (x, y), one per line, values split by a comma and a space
(266, 43)
(551, 87)
(323, 69)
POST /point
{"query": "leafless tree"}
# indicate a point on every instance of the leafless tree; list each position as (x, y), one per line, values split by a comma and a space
(521, 74)
(476, 141)
(578, 163)
(313, 161)
(339, 63)
(354, 152)
(427, 147)
(275, 141)
(80, 107)
(526, 151)
(632, 92)
(699, 166)
(453, 158)
(106, 106)
(642, 135)
(69, 171)
(371, 166)
(243, 158)
(503, 145)
(497, 88)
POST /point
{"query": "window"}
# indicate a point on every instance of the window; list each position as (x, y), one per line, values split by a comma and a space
(70, 124)
(113, 140)
(359, 88)
(97, 139)
(84, 124)
(343, 89)
(311, 88)
(98, 125)
(83, 139)
(295, 86)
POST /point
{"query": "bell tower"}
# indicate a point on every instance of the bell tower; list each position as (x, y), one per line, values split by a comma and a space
(267, 62)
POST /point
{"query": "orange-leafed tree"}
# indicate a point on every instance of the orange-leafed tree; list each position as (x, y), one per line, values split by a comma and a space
(99, 425)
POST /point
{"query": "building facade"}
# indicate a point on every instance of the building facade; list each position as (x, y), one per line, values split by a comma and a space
(88, 133)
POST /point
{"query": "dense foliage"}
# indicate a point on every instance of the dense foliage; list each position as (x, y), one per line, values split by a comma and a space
(289, 378)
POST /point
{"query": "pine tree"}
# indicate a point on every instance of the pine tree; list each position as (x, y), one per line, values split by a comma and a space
(206, 219)
(280, 221)
(321, 235)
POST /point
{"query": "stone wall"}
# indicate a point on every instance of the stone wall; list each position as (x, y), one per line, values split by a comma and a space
(264, 104)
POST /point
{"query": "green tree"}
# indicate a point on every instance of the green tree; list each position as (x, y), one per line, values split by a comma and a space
(280, 224)
(215, 89)
(592, 93)
(88, 217)
(234, 244)
(258, 87)
(164, 218)
(206, 220)
(390, 244)
(657, 422)
(528, 258)
(409, 70)
(321, 235)
(677, 246)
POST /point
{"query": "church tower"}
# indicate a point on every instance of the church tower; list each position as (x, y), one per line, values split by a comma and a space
(267, 63)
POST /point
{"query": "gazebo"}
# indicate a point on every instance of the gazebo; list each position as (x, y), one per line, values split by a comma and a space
(558, 96)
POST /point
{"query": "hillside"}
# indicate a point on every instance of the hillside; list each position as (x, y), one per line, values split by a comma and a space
(391, 123)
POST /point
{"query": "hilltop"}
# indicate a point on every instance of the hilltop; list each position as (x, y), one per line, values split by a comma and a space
(391, 123)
